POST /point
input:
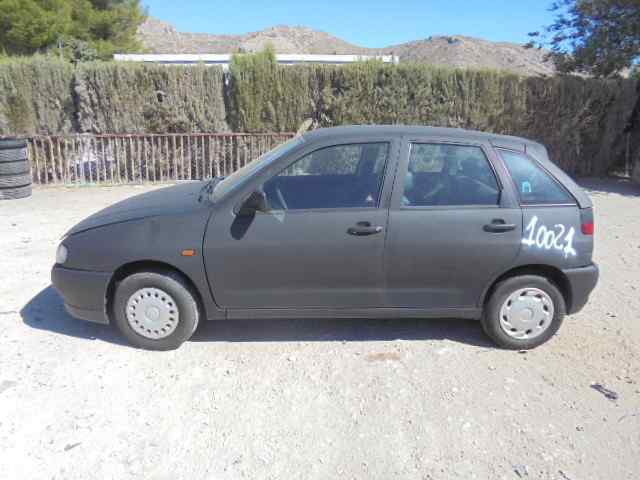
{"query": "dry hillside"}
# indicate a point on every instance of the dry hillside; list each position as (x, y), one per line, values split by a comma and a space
(461, 51)
(454, 50)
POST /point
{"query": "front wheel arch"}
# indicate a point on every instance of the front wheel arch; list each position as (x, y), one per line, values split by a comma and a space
(127, 269)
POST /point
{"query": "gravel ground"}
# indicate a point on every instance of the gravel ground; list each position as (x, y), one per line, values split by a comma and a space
(314, 399)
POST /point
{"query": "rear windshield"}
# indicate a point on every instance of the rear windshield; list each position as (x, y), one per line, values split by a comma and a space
(535, 186)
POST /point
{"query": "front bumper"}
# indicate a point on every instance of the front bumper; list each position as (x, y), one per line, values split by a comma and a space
(582, 281)
(84, 292)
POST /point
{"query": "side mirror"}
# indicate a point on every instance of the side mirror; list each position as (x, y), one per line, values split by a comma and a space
(256, 202)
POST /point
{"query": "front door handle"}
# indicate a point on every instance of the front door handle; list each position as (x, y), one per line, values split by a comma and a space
(364, 228)
(498, 225)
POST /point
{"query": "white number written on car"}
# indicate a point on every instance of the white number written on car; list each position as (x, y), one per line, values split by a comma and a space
(558, 238)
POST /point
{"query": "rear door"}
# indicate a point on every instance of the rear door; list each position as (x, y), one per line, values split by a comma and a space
(452, 225)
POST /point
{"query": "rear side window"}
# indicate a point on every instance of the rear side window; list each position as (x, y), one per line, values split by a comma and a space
(449, 175)
(534, 185)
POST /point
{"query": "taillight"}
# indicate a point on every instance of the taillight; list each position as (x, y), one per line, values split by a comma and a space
(588, 228)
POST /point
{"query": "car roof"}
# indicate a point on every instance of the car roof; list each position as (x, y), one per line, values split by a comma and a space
(507, 141)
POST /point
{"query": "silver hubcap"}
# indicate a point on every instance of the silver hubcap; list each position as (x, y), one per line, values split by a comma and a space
(526, 313)
(152, 313)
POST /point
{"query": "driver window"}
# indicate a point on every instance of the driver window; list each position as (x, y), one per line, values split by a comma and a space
(442, 175)
(340, 176)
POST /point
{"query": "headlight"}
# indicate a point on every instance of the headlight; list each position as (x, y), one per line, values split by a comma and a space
(61, 254)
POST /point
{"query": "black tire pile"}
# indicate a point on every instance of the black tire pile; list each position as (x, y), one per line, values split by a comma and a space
(15, 175)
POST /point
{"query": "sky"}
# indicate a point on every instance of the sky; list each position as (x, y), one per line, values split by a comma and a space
(369, 23)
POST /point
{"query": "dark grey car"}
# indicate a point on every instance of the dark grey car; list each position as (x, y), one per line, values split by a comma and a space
(379, 221)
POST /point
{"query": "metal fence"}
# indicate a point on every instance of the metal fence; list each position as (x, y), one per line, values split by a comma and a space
(119, 159)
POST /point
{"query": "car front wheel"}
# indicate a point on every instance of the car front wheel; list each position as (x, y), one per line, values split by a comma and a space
(523, 312)
(155, 310)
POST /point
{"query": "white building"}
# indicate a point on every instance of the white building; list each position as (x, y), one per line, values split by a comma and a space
(224, 59)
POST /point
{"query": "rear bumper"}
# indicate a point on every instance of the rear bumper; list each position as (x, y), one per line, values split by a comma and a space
(582, 281)
(83, 292)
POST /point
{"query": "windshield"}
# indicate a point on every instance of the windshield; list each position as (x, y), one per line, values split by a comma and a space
(239, 176)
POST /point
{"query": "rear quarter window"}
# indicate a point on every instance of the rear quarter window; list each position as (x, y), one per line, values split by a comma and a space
(534, 185)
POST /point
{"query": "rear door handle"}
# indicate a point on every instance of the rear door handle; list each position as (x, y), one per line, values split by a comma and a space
(364, 228)
(499, 226)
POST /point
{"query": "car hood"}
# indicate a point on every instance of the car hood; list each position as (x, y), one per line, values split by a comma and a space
(164, 201)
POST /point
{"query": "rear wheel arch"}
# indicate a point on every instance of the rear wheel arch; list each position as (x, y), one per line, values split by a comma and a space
(553, 274)
(128, 269)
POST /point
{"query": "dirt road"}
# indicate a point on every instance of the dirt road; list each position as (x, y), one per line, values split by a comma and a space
(314, 399)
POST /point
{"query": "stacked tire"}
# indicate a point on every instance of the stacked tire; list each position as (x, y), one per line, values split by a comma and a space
(15, 175)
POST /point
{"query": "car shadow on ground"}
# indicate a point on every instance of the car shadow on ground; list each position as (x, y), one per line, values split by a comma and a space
(610, 185)
(46, 311)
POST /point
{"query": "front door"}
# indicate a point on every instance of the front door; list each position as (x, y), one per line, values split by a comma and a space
(321, 245)
(451, 227)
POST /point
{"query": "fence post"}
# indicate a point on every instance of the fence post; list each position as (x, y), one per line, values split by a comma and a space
(175, 159)
(36, 158)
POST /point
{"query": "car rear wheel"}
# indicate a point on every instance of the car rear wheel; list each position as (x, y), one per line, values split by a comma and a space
(155, 310)
(523, 312)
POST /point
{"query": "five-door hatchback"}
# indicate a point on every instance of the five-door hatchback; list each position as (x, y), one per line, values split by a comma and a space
(362, 221)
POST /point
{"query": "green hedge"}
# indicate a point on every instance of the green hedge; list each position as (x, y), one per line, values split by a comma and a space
(43, 95)
(138, 98)
(36, 96)
(580, 120)
(266, 97)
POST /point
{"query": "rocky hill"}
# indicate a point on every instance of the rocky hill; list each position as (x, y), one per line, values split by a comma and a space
(453, 51)
(468, 52)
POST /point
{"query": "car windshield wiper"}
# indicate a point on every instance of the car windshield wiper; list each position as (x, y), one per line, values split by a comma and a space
(208, 188)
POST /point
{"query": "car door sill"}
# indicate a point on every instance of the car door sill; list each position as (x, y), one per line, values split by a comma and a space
(380, 312)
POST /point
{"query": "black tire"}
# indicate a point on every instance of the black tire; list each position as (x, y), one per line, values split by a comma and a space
(15, 193)
(177, 288)
(11, 181)
(491, 315)
(14, 168)
(13, 154)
